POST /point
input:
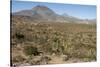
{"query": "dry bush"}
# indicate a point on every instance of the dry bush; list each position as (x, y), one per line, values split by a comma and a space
(30, 50)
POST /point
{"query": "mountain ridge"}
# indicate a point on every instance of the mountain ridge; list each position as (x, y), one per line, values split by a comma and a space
(43, 13)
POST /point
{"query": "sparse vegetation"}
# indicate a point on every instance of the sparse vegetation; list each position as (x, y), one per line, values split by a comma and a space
(76, 41)
(30, 50)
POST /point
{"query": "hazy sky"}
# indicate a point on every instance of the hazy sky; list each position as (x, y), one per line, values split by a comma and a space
(80, 11)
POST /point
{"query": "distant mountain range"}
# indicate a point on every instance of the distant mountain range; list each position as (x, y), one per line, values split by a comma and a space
(44, 14)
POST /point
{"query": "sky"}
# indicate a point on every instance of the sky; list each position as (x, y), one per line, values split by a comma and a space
(79, 11)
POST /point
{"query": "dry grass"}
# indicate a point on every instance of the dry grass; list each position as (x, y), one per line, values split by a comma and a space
(76, 41)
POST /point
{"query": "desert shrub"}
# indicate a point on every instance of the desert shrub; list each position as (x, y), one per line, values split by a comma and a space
(19, 35)
(30, 50)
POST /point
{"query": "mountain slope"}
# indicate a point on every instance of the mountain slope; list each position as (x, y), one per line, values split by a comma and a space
(44, 14)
